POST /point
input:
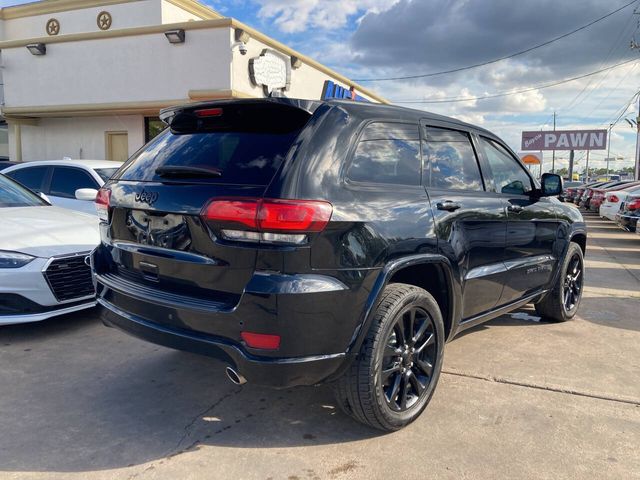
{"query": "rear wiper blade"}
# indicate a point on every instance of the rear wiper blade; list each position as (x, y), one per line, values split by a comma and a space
(187, 171)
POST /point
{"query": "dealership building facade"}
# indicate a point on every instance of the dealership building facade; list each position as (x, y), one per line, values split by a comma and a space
(86, 79)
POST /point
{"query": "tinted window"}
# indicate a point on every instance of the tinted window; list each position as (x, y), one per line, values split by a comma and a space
(508, 175)
(387, 153)
(66, 180)
(449, 160)
(30, 177)
(15, 195)
(249, 158)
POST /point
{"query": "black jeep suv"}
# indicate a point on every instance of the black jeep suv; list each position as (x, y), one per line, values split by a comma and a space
(307, 242)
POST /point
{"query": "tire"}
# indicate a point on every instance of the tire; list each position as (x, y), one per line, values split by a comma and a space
(363, 394)
(558, 305)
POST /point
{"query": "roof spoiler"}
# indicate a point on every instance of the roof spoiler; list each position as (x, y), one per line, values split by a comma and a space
(255, 115)
(168, 114)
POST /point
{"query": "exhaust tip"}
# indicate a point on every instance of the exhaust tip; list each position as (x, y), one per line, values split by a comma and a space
(235, 377)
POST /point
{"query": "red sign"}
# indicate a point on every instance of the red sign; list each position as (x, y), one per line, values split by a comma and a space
(565, 140)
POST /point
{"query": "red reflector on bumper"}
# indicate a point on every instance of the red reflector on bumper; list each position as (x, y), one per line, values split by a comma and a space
(261, 340)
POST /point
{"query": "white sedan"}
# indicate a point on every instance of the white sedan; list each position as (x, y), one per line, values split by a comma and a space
(612, 201)
(67, 183)
(44, 253)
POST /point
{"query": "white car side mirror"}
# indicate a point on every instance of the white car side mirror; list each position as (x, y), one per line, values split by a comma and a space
(44, 197)
(87, 194)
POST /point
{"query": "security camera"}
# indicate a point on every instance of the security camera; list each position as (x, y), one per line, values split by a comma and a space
(242, 47)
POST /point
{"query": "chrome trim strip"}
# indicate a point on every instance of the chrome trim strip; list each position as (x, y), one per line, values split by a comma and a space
(36, 317)
(486, 270)
(528, 261)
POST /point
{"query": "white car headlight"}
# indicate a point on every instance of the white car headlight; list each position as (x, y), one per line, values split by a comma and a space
(14, 259)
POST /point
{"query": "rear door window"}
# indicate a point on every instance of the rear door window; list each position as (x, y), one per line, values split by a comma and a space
(387, 153)
(30, 177)
(66, 180)
(449, 160)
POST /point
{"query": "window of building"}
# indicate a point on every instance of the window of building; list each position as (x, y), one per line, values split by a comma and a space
(449, 160)
(508, 175)
(4, 140)
(387, 153)
(152, 128)
(66, 180)
(30, 177)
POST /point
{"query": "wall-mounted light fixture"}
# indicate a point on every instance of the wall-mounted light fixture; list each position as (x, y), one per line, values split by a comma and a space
(242, 36)
(37, 48)
(295, 62)
(175, 36)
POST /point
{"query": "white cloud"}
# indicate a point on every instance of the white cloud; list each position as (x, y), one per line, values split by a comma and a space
(292, 16)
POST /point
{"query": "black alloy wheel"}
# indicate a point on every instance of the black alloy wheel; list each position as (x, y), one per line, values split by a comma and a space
(394, 376)
(408, 359)
(562, 302)
(572, 287)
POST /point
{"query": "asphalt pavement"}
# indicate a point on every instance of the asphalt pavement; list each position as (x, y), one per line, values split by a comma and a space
(518, 398)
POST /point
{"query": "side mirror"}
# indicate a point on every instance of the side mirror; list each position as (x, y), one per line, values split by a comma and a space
(86, 194)
(551, 185)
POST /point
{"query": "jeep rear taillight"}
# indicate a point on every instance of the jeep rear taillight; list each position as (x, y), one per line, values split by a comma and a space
(613, 199)
(103, 198)
(268, 220)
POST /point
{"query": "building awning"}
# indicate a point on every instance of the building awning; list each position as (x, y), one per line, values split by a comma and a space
(117, 108)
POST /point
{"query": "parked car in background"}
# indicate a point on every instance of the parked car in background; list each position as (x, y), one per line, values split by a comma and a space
(568, 191)
(69, 184)
(336, 242)
(627, 216)
(4, 164)
(44, 269)
(581, 189)
(614, 199)
(585, 201)
(599, 193)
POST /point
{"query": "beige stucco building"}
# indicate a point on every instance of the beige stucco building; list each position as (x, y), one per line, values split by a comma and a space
(86, 78)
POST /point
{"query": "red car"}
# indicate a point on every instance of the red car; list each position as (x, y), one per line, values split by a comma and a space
(585, 201)
(577, 196)
(599, 193)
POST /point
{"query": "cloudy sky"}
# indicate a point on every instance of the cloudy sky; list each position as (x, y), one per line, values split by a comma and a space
(365, 39)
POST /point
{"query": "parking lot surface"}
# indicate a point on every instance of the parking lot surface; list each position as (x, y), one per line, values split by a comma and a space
(518, 398)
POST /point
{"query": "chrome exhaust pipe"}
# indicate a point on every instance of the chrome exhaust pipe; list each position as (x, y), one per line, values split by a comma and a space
(235, 377)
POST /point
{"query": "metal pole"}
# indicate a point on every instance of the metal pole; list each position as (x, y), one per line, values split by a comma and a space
(571, 154)
(553, 155)
(609, 149)
(586, 175)
(637, 169)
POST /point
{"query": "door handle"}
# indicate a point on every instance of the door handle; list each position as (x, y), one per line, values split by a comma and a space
(515, 208)
(448, 205)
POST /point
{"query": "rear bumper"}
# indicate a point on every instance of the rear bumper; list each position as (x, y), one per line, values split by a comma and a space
(628, 222)
(269, 371)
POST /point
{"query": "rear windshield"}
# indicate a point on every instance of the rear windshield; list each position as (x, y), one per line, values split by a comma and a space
(244, 145)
